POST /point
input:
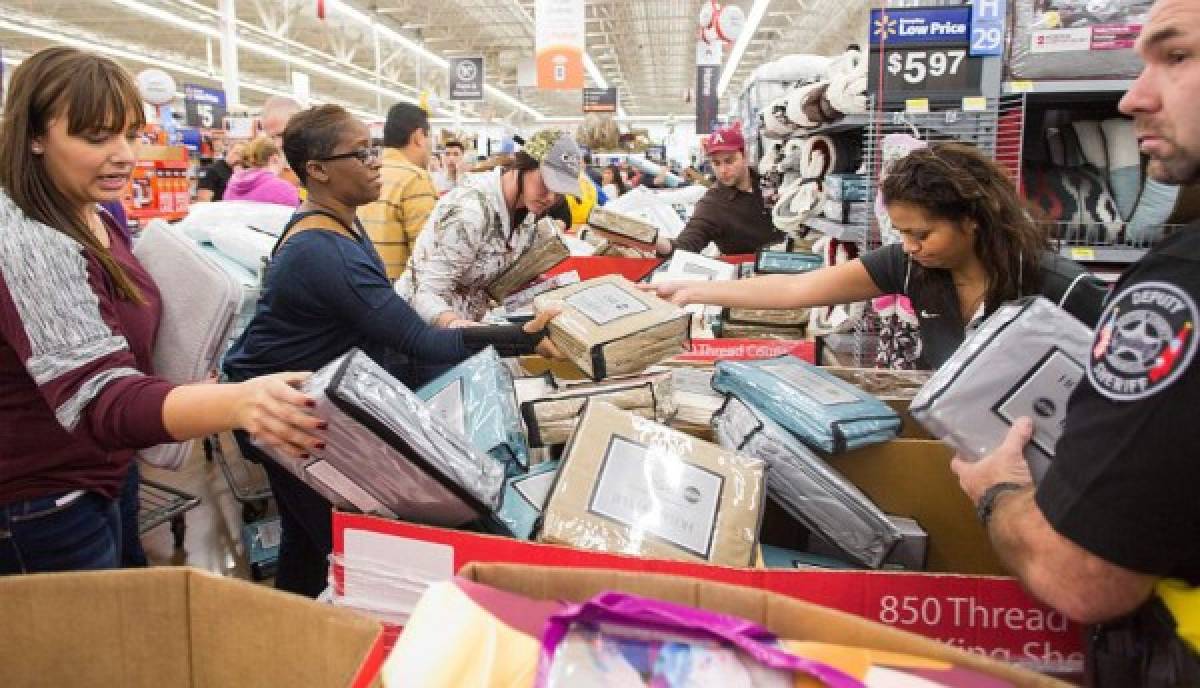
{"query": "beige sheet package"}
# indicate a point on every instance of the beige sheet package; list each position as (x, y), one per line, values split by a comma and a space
(622, 227)
(632, 486)
(610, 327)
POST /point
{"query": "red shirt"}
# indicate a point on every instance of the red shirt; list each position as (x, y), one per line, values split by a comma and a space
(76, 396)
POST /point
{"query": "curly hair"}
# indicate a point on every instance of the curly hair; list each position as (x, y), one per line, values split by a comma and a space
(958, 183)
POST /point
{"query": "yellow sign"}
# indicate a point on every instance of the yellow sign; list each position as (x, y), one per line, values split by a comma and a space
(1083, 254)
(1020, 86)
(975, 104)
(917, 106)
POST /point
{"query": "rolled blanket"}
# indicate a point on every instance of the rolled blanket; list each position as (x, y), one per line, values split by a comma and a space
(776, 123)
(812, 104)
(771, 158)
(846, 64)
(847, 94)
(819, 154)
(784, 216)
(796, 111)
(1124, 163)
(1153, 209)
(793, 157)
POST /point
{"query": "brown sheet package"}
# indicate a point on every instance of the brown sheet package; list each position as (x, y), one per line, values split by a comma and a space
(623, 226)
(552, 417)
(610, 327)
(632, 486)
(547, 251)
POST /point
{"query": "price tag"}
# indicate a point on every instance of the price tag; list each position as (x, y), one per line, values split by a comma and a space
(917, 106)
(925, 52)
(974, 104)
(1083, 254)
(1020, 86)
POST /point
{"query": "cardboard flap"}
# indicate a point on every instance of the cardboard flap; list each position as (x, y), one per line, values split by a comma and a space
(788, 618)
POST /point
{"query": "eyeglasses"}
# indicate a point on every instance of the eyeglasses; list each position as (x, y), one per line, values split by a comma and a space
(364, 155)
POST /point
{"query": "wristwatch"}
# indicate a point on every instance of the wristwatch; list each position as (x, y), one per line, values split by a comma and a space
(987, 503)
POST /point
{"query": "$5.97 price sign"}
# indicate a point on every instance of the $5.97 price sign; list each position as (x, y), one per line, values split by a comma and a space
(922, 52)
(915, 66)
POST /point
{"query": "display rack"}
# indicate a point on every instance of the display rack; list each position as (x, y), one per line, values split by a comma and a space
(159, 504)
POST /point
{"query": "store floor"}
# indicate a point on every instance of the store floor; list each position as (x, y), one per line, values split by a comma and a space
(212, 540)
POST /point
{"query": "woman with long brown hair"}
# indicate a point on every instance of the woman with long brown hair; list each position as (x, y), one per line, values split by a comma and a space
(78, 318)
(968, 244)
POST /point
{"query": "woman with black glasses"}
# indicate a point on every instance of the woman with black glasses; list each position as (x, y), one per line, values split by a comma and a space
(326, 291)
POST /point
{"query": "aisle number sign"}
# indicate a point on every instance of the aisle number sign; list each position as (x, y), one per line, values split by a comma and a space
(559, 35)
(204, 107)
(922, 52)
(987, 27)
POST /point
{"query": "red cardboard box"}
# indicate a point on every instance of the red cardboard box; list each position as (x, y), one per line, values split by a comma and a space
(961, 601)
(590, 267)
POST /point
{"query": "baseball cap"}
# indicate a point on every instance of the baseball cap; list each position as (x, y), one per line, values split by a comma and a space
(725, 140)
(559, 159)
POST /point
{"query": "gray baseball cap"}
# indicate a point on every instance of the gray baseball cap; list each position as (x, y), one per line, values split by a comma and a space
(560, 161)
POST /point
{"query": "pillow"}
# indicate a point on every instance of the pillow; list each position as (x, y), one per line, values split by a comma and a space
(1124, 163)
(1077, 200)
(1154, 208)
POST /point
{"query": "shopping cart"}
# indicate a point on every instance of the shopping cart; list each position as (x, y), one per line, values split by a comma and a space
(159, 504)
(247, 480)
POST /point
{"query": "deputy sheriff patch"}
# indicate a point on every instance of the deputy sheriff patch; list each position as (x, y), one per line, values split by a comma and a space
(1145, 340)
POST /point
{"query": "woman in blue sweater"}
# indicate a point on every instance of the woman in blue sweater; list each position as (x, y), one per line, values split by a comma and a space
(327, 291)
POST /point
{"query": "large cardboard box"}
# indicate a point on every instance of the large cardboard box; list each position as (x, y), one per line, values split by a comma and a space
(176, 627)
(963, 600)
(786, 617)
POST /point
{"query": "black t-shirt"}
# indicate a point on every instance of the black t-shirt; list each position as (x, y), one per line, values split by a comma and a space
(215, 178)
(936, 304)
(1125, 483)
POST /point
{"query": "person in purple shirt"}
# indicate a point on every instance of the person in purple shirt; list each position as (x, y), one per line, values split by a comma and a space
(259, 179)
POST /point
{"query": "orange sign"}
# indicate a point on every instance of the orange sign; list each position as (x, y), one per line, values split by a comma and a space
(560, 44)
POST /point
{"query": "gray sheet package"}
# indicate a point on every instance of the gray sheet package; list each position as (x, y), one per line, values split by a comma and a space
(1025, 360)
(200, 304)
(622, 226)
(911, 553)
(786, 263)
(478, 400)
(610, 327)
(806, 487)
(1068, 39)
(524, 498)
(551, 419)
(629, 485)
(388, 454)
(821, 410)
(547, 251)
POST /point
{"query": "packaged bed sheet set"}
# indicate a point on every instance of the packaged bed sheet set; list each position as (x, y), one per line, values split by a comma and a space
(547, 251)
(551, 418)
(623, 228)
(806, 487)
(388, 454)
(632, 486)
(477, 399)
(821, 410)
(524, 499)
(610, 327)
(1025, 360)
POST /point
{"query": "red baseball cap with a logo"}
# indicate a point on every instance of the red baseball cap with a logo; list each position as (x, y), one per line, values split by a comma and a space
(725, 140)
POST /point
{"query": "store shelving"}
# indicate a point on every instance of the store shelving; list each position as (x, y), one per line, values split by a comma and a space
(1112, 255)
(1110, 86)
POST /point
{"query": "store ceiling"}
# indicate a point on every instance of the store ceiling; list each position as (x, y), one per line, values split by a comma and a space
(645, 48)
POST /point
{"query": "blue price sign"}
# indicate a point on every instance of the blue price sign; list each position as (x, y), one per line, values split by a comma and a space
(920, 26)
(204, 107)
(987, 27)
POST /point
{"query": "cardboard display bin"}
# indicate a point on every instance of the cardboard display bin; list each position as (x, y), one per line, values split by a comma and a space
(176, 627)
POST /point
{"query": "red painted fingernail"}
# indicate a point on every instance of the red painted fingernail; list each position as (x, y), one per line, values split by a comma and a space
(310, 403)
(320, 446)
(323, 425)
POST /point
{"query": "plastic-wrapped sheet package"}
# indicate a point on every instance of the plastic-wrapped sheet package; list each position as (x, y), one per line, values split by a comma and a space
(806, 487)
(200, 303)
(521, 303)
(610, 327)
(551, 418)
(269, 218)
(1025, 360)
(1068, 39)
(524, 499)
(695, 400)
(622, 227)
(786, 263)
(245, 245)
(821, 410)
(388, 454)
(632, 486)
(477, 399)
(547, 251)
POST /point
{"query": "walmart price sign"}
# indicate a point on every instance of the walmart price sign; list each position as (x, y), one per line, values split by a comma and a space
(204, 107)
(922, 52)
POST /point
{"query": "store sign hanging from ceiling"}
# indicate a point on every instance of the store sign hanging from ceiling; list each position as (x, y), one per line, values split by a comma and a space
(465, 76)
(922, 52)
(599, 100)
(559, 35)
(204, 107)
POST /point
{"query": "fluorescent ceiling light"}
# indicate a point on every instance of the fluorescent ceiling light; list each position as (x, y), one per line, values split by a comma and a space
(112, 51)
(165, 16)
(739, 48)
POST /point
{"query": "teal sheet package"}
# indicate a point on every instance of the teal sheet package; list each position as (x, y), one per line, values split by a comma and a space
(477, 399)
(821, 410)
(524, 498)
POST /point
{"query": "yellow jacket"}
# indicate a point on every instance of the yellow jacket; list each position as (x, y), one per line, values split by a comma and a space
(397, 218)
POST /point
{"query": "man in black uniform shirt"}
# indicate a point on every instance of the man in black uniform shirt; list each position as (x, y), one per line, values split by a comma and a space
(1111, 536)
(215, 177)
(731, 214)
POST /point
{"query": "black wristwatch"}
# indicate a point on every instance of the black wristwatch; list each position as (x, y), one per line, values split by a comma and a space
(987, 503)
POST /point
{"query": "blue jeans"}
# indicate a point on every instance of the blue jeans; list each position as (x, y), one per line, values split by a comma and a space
(46, 534)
